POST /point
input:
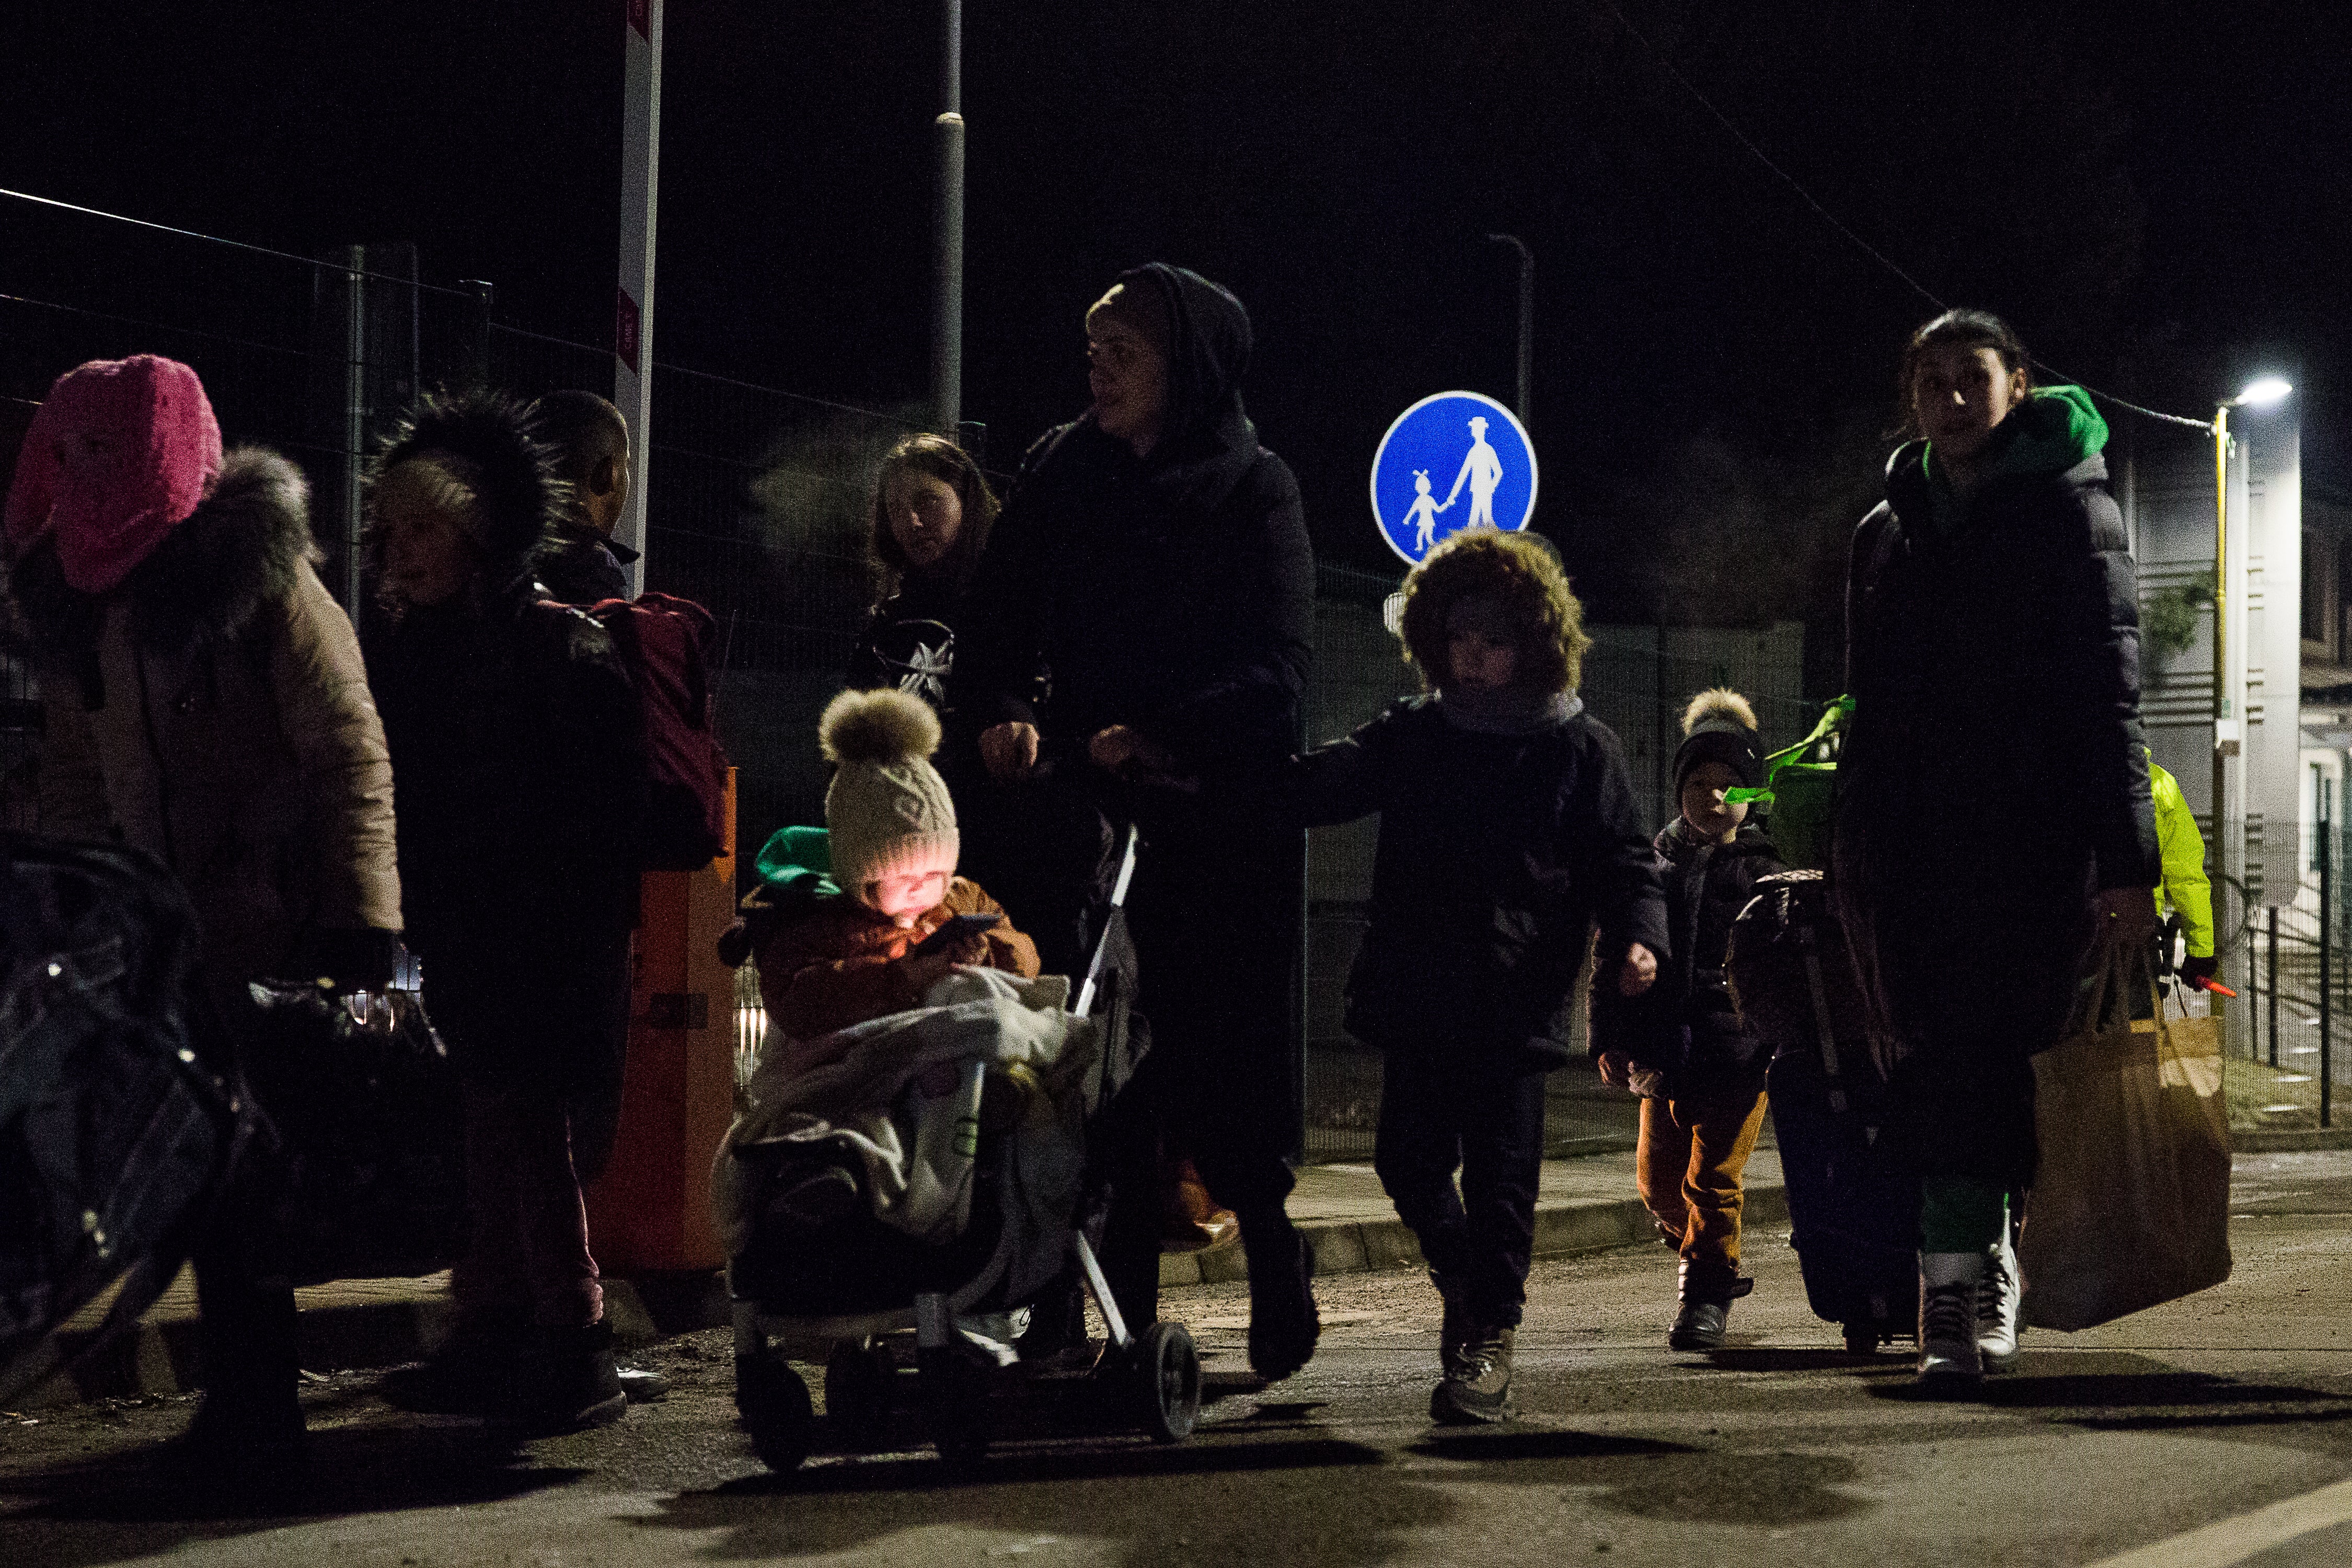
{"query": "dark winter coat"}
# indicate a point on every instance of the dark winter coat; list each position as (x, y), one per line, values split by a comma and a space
(1687, 1026)
(517, 745)
(214, 710)
(909, 643)
(1993, 776)
(1498, 856)
(582, 566)
(1172, 593)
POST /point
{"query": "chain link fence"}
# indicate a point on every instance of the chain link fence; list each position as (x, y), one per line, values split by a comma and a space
(756, 497)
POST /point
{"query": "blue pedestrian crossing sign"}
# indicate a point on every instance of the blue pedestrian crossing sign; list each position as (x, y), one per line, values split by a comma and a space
(1452, 461)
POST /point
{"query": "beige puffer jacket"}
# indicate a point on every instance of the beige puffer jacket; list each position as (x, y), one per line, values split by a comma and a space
(214, 710)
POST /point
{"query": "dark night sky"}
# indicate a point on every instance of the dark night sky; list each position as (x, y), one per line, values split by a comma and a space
(2156, 194)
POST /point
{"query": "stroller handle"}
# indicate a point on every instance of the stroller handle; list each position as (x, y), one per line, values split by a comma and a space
(1117, 900)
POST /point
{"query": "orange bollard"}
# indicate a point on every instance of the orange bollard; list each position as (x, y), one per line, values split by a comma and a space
(650, 1210)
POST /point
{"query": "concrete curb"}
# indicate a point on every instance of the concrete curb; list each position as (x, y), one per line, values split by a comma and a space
(404, 1318)
(2289, 1139)
(407, 1320)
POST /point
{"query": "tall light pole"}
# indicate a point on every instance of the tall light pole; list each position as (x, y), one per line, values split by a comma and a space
(947, 226)
(2260, 392)
(1527, 324)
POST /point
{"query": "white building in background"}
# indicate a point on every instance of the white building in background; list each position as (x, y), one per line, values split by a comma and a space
(2167, 488)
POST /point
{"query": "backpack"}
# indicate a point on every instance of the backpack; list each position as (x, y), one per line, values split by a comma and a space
(1799, 784)
(665, 642)
(117, 1129)
(1794, 980)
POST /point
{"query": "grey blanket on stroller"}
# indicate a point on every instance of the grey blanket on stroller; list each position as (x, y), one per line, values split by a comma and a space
(902, 1106)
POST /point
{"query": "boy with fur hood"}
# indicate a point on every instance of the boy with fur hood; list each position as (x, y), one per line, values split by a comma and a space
(1699, 1068)
(206, 703)
(1508, 833)
(517, 741)
(848, 955)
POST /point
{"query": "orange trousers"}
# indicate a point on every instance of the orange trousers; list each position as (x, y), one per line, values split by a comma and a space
(1692, 1155)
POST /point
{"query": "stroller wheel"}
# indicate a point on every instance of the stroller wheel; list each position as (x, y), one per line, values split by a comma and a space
(1168, 1382)
(859, 1383)
(1862, 1339)
(955, 1406)
(775, 1404)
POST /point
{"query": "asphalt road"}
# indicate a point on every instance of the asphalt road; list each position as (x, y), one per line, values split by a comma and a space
(2211, 1430)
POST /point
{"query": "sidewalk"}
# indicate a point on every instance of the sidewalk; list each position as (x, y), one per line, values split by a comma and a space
(1586, 1204)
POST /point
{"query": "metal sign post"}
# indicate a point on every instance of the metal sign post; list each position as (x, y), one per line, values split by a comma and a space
(633, 326)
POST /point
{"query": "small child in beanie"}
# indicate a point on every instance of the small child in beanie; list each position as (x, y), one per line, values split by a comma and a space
(849, 957)
(1700, 1069)
(1508, 834)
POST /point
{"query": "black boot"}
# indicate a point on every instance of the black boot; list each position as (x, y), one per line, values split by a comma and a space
(564, 1381)
(1706, 1292)
(1284, 1326)
(468, 1375)
(247, 1433)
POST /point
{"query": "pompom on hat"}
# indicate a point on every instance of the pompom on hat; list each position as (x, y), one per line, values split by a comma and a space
(1719, 726)
(153, 449)
(888, 809)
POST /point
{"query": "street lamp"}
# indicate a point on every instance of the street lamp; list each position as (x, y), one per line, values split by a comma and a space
(2262, 392)
(1526, 323)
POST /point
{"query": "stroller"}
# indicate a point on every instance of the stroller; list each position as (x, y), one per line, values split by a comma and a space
(843, 1292)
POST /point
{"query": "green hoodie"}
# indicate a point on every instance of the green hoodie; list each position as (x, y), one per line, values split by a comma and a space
(2053, 429)
(797, 864)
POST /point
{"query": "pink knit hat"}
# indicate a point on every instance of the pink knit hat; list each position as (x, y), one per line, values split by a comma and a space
(158, 452)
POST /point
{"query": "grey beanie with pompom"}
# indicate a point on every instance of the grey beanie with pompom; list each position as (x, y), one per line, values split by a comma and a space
(889, 811)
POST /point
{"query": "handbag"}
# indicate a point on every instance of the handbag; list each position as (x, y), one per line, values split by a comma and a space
(2131, 1206)
(370, 1127)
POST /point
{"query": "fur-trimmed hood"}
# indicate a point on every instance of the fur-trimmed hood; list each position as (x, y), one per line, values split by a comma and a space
(238, 551)
(520, 500)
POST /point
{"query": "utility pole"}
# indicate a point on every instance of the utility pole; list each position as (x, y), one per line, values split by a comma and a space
(633, 324)
(1524, 407)
(947, 230)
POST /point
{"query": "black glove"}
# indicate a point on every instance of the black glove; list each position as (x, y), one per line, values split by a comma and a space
(353, 960)
(2195, 970)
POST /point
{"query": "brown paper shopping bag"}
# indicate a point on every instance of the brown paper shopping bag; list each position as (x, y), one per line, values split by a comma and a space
(2131, 1205)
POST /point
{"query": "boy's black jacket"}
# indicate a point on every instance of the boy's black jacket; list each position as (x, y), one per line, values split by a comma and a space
(1498, 855)
(1687, 1024)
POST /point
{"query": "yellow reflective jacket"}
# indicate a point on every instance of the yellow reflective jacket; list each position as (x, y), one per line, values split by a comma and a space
(2184, 887)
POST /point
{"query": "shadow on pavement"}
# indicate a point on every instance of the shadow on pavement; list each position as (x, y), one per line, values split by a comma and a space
(134, 1505)
(2121, 1391)
(1737, 1487)
(1770, 1359)
(1497, 1444)
(1339, 1502)
(1345, 1503)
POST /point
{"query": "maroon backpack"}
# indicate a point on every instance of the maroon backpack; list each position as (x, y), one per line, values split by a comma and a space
(665, 642)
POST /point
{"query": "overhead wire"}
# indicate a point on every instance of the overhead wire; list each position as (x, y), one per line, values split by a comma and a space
(232, 244)
(1659, 57)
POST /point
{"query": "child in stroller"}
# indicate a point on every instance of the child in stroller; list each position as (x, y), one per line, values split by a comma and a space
(913, 1149)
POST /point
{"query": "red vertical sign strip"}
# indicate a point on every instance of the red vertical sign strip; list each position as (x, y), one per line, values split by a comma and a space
(625, 329)
(640, 19)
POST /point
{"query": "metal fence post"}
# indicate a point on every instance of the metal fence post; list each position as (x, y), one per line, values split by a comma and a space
(2326, 947)
(477, 367)
(2272, 985)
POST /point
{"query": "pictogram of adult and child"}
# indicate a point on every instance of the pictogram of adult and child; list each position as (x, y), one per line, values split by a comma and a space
(1482, 470)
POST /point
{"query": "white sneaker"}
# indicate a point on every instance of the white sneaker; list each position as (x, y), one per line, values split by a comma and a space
(1997, 1297)
(1949, 1283)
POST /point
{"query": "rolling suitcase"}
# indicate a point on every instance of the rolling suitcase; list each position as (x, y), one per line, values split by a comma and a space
(1853, 1204)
